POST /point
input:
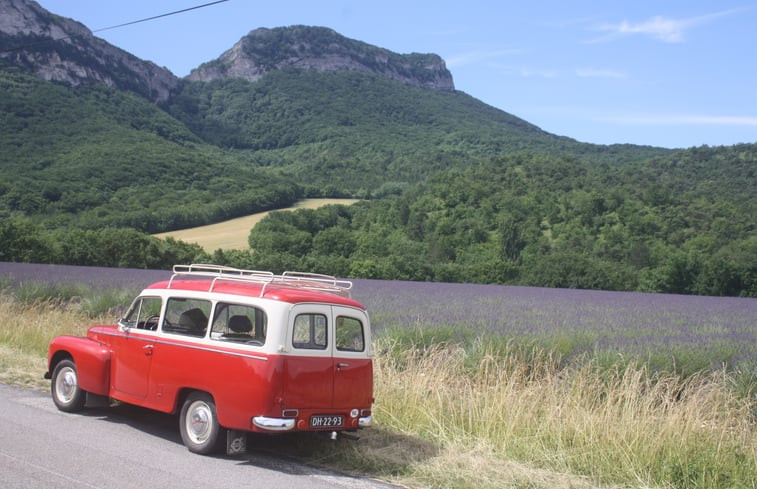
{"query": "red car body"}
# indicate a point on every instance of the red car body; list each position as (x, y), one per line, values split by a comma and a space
(230, 349)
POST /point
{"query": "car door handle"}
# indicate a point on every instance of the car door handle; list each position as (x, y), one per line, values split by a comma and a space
(148, 349)
(340, 366)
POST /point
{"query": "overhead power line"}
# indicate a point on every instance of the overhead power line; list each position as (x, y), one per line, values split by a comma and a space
(159, 16)
(63, 38)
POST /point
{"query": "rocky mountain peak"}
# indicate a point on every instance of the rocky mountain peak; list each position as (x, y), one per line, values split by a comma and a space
(321, 49)
(63, 50)
(26, 18)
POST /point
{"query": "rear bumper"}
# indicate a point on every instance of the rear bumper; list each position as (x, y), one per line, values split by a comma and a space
(273, 424)
(365, 422)
(288, 424)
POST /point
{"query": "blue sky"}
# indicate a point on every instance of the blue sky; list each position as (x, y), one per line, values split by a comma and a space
(663, 73)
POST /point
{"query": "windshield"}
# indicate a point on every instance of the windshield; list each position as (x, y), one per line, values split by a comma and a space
(143, 314)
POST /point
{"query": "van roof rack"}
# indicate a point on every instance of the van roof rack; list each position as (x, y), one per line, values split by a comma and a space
(297, 280)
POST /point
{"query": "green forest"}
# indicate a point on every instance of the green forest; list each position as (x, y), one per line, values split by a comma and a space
(97, 157)
(451, 189)
(541, 220)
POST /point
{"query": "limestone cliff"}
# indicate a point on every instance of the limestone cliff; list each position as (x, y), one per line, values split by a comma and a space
(321, 49)
(63, 50)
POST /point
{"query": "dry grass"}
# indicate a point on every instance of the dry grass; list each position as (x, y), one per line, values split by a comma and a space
(501, 419)
(26, 331)
(480, 467)
(571, 426)
(20, 368)
(233, 234)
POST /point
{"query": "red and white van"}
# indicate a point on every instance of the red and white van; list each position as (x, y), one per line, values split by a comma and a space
(232, 351)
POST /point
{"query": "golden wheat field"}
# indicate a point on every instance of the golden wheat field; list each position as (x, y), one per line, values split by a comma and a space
(232, 234)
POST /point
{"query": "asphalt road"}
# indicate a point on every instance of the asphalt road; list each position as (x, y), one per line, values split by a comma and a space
(128, 447)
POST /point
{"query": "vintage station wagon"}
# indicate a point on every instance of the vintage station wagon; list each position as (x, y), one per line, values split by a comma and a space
(232, 351)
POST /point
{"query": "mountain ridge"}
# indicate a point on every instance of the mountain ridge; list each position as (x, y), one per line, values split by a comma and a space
(321, 49)
(337, 130)
(63, 50)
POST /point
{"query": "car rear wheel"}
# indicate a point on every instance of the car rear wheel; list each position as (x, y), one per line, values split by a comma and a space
(198, 423)
(67, 395)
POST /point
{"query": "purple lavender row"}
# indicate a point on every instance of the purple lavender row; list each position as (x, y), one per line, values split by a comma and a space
(722, 329)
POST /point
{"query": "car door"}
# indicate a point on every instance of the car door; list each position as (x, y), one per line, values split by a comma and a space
(132, 351)
(353, 368)
(309, 371)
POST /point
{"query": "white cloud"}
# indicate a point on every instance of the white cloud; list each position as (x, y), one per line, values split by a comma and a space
(659, 27)
(600, 73)
(682, 119)
(667, 30)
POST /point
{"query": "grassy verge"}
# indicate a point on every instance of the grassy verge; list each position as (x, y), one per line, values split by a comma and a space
(490, 414)
(624, 426)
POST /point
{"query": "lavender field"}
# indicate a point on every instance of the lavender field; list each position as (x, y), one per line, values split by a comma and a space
(702, 332)
(682, 332)
(94, 277)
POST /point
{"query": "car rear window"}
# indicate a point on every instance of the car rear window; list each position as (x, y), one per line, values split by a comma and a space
(310, 332)
(349, 334)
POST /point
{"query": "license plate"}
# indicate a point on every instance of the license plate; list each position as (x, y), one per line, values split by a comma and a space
(326, 421)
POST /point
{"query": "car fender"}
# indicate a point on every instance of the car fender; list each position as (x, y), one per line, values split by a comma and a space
(92, 360)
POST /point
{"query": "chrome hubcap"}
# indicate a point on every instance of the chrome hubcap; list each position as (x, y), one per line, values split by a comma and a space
(198, 422)
(65, 384)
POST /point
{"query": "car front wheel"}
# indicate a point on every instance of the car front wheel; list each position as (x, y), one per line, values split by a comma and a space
(67, 395)
(198, 423)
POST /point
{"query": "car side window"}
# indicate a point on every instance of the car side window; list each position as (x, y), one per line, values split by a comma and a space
(144, 313)
(186, 316)
(241, 323)
(349, 334)
(309, 332)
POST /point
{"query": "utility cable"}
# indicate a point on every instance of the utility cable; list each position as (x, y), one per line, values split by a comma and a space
(159, 16)
(19, 48)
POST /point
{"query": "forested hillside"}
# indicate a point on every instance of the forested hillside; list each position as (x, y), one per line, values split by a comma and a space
(94, 156)
(683, 223)
(349, 134)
